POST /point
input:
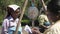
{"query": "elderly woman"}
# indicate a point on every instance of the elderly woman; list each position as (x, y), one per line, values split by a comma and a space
(53, 14)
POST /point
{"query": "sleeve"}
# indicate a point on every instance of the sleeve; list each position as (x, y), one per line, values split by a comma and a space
(5, 27)
(48, 31)
(52, 31)
(46, 18)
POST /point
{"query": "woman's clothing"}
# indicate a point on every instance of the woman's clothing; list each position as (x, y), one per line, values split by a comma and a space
(55, 29)
(9, 25)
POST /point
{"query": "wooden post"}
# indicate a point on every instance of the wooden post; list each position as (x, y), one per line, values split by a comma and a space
(43, 4)
(21, 17)
(32, 23)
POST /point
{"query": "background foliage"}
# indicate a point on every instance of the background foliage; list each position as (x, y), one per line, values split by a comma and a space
(5, 3)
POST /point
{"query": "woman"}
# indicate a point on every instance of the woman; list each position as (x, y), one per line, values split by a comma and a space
(10, 22)
(53, 14)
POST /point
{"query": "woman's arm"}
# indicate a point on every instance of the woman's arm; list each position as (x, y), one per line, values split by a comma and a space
(5, 27)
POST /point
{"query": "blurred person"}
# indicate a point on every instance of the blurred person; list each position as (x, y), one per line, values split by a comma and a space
(53, 14)
(43, 22)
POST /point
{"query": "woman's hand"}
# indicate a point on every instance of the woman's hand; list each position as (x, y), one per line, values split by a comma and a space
(35, 30)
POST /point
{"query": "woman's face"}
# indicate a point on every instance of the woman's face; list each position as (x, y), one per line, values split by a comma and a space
(15, 14)
(53, 8)
(51, 16)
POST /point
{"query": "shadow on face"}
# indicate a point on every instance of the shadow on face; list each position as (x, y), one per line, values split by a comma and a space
(16, 13)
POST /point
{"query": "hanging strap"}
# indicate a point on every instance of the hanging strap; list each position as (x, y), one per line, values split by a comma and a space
(10, 25)
(6, 28)
(32, 2)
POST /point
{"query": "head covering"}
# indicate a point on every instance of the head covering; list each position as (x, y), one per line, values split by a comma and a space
(14, 7)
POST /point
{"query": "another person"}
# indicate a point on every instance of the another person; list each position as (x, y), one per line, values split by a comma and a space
(10, 22)
(53, 14)
(43, 22)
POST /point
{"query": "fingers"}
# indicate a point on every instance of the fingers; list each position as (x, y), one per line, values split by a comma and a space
(35, 31)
